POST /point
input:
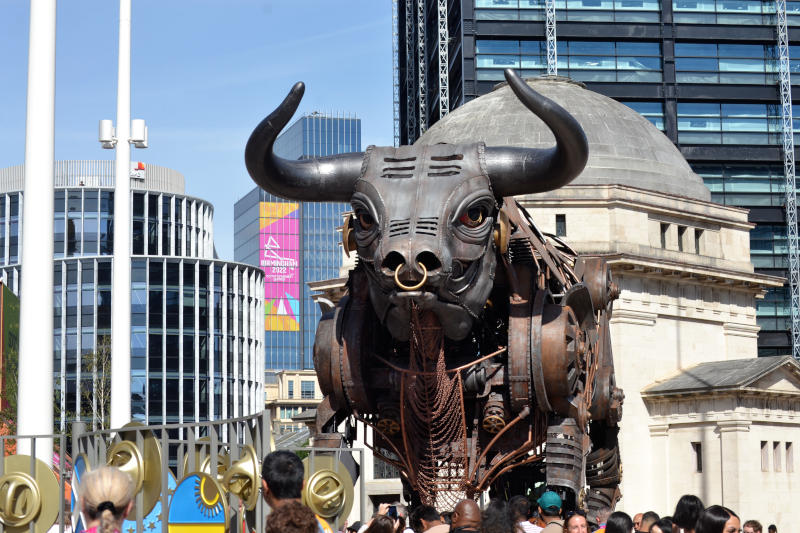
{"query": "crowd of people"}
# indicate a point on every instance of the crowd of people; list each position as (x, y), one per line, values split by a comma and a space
(107, 497)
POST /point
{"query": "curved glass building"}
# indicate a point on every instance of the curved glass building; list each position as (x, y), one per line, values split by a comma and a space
(197, 323)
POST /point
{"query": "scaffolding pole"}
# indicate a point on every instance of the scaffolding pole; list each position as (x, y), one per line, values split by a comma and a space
(411, 88)
(788, 170)
(395, 74)
(552, 52)
(422, 100)
(444, 62)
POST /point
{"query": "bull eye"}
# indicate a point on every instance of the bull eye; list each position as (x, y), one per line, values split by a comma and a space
(473, 216)
(365, 220)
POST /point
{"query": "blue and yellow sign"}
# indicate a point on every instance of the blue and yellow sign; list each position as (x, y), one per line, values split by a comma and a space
(198, 504)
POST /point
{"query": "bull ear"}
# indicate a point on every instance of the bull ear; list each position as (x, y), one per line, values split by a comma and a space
(324, 179)
(516, 171)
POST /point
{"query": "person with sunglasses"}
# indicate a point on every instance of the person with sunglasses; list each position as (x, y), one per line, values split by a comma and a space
(576, 523)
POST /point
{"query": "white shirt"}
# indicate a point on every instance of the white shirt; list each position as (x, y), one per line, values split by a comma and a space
(527, 527)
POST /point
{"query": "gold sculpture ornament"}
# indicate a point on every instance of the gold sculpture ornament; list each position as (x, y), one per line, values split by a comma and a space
(328, 490)
(26, 498)
(243, 478)
(144, 466)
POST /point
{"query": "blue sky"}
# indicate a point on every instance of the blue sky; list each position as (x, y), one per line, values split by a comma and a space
(204, 73)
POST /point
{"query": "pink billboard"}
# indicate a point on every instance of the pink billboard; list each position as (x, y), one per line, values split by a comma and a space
(279, 246)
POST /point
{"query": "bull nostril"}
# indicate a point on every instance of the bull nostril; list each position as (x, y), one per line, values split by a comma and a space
(392, 261)
(430, 261)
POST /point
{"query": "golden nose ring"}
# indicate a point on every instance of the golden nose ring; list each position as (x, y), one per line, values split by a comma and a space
(411, 287)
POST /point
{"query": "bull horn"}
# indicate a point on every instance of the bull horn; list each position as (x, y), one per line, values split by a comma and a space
(530, 170)
(324, 179)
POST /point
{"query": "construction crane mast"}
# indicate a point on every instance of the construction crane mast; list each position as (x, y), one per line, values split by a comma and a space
(444, 63)
(552, 51)
(422, 87)
(395, 75)
(788, 170)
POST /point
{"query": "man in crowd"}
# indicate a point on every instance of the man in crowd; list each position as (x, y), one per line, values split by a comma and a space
(637, 521)
(600, 517)
(550, 511)
(428, 520)
(752, 526)
(520, 509)
(282, 482)
(466, 517)
(648, 519)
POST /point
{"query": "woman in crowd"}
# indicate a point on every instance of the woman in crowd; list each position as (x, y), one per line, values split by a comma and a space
(686, 514)
(496, 519)
(662, 526)
(717, 519)
(292, 517)
(381, 524)
(619, 522)
(576, 523)
(106, 496)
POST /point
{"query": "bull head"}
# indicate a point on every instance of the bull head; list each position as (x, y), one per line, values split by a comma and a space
(424, 215)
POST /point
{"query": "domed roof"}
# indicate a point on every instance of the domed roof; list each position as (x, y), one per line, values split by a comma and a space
(624, 147)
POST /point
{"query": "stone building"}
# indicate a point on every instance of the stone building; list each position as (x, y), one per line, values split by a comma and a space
(688, 292)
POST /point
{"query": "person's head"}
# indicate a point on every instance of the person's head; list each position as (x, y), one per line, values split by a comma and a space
(772, 528)
(281, 477)
(687, 511)
(447, 517)
(752, 526)
(648, 519)
(619, 522)
(466, 513)
(601, 515)
(496, 518)
(381, 524)
(637, 521)
(717, 519)
(519, 507)
(664, 525)
(576, 523)
(106, 495)
(424, 517)
(549, 505)
(291, 517)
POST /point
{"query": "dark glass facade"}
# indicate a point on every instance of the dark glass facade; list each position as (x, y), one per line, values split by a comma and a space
(295, 242)
(703, 71)
(196, 326)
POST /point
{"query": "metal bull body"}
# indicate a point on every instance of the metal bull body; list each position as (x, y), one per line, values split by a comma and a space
(476, 347)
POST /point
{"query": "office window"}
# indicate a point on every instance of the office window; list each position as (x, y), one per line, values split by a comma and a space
(307, 390)
(713, 123)
(570, 10)
(580, 60)
(652, 111)
(725, 63)
(561, 225)
(764, 456)
(290, 391)
(698, 456)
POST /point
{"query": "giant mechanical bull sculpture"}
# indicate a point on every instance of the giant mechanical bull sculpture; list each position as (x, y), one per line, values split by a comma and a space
(476, 347)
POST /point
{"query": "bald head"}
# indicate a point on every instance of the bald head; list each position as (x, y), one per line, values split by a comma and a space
(466, 514)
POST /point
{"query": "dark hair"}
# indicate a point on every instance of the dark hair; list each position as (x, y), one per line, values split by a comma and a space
(665, 525)
(713, 519)
(520, 507)
(687, 511)
(754, 524)
(422, 512)
(447, 517)
(283, 472)
(619, 522)
(291, 517)
(381, 524)
(496, 518)
(650, 516)
(772, 528)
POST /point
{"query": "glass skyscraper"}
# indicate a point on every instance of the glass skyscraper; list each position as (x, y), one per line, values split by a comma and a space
(294, 242)
(705, 72)
(196, 339)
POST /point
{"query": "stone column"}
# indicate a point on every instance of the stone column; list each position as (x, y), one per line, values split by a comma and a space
(659, 441)
(733, 458)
